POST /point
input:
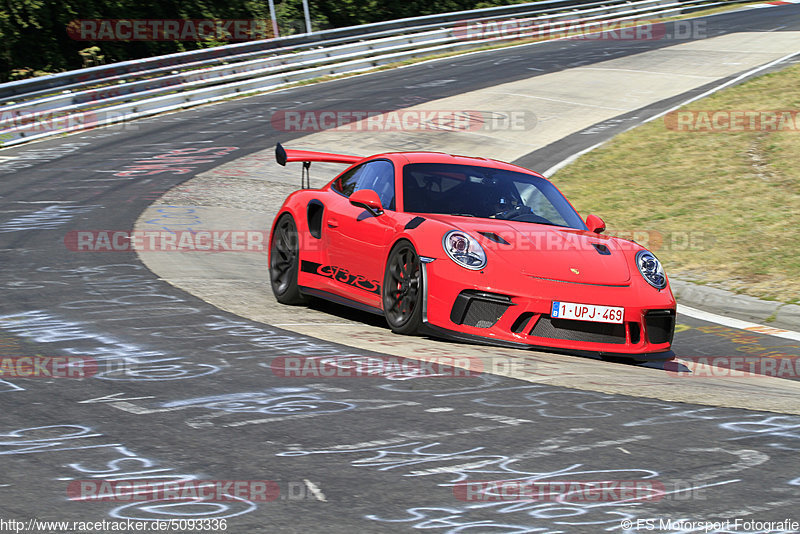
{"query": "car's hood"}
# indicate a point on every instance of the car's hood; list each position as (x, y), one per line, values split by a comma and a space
(549, 252)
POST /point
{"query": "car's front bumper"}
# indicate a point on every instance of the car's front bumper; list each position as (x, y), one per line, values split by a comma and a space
(514, 310)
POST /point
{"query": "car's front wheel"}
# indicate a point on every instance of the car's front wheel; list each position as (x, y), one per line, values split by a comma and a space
(402, 290)
(284, 260)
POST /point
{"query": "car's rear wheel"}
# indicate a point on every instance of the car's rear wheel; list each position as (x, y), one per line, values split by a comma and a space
(284, 260)
(402, 290)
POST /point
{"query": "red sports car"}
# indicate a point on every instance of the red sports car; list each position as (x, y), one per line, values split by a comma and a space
(472, 249)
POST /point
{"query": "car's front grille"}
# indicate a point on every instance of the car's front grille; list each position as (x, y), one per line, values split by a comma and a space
(635, 332)
(479, 309)
(570, 330)
(483, 314)
(660, 326)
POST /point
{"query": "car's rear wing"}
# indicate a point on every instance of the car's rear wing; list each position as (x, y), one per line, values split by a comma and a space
(282, 156)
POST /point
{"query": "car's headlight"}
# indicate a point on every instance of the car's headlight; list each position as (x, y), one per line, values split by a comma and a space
(464, 250)
(651, 269)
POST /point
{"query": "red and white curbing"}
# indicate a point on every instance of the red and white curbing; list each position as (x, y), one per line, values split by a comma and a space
(775, 3)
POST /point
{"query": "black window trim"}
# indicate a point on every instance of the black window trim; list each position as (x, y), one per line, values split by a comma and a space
(394, 167)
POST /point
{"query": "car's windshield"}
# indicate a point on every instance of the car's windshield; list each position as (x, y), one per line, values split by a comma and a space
(485, 192)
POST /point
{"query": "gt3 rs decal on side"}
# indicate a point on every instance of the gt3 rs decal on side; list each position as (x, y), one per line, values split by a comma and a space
(341, 275)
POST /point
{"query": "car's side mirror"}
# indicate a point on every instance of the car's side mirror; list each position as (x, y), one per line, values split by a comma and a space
(595, 224)
(367, 199)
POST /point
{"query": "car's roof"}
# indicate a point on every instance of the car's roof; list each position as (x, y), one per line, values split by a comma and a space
(453, 159)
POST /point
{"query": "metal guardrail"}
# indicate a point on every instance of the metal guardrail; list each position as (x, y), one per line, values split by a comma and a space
(228, 52)
(211, 75)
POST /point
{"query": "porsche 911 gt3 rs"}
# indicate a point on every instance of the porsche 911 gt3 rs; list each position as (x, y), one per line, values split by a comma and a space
(468, 248)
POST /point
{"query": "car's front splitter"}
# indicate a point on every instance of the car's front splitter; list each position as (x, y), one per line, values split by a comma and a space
(514, 311)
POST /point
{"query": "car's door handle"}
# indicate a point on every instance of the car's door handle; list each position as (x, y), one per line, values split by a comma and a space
(333, 223)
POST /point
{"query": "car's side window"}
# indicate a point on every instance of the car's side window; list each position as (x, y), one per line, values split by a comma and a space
(377, 175)
(346, 184)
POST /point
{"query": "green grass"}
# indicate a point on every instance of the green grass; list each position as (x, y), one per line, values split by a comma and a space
(725, 205)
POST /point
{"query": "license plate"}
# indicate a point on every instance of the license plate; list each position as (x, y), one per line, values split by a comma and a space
(587, 312)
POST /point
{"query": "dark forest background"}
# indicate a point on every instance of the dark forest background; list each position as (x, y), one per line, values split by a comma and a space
(34, 39)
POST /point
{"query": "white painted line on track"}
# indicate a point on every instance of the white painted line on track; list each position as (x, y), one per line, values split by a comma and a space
(686, 310)
(563, 163)
(639, 71)
(737, 323)
(722, 86)
(44, 201)
(313, 324)
(315, 491)
(570, 102)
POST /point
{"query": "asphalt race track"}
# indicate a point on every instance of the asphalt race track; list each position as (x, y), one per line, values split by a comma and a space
(184, 389)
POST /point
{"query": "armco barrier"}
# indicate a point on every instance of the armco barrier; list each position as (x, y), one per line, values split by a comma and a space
(97, 96)
(380, 29)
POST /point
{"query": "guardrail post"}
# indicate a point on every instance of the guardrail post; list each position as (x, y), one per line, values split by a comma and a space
(308, 16)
